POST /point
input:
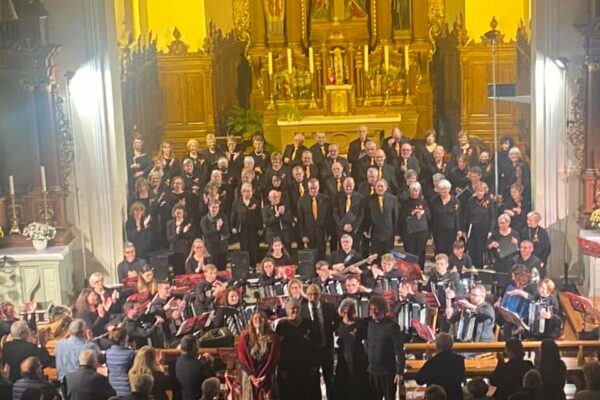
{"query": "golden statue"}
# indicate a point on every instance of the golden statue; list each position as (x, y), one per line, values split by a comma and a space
(338, 65)
(275, 12)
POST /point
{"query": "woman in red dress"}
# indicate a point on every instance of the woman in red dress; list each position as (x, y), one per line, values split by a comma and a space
(258, 354)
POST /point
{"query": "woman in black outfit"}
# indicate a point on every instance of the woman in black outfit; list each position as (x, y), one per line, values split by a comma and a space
(459, 175)
(279, 254)
(215, 232)
(479, 223)
(89, 308)
(553, 371)
(516, 207)
(246, 222)
(230, 306)
(198, 258)
(139, 230)
(269, 276)
(414, 212)
(351, 380)
(424, 152)
(503, 233)
(179, 236)
(445, 217)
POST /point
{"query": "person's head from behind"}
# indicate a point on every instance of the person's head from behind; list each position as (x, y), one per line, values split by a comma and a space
(88, 358)
(33, 393)
(78, 328)
(142, 384)
(532, 379)
(514, 349)
(478, 388)
(550, 353)
(211, 388)
(118, 336)
(591, 373)
(189, 345)
(443, 342)
(435, 392)
(20, 330)
(31, 366)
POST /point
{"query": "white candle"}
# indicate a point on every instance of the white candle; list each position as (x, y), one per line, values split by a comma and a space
(366, 55)
(386, 57)
(11, 185)
(311, 61)
(43, 173)
(270, 63)
(289, 61)
(406, 58)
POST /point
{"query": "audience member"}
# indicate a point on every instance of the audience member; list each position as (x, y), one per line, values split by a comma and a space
(507, 377)
(141, 388)
(211, 388)
(531, 389)
(591, 372)
(445, 369)
(190, 370)
(435, 392)
(20, 348)
(67, 350)
(553, 371)
(146, 362)
(33, 377)
(478, 389)
(119, 359)
(85, 382)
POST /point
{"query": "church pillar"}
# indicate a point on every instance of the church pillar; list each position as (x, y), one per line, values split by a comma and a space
(384, 21)
(420, 20)
(592, 146)
(293, 22)
(257, 23)
(48, 137)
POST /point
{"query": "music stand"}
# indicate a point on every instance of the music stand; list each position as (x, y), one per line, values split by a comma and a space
(512, 317)
(191, 325)
(423, 330)
(584, 306)
(409, 271)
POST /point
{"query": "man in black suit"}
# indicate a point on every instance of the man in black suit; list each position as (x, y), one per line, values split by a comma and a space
(386, 171)
(345, 256)
(446, 368)
(334, 185)
(86, 383)
(308, 165)
(314, 214)
(367, 188)
(292, 154)
(277, 220)
(320, 149)
(356, 149)
(349, 212)
(324, 321)
(381, 220)
(19, 348)
(392, 145)
(368, 161)
(298, 186)
(407, 160)
(191, 371)
(333, 156)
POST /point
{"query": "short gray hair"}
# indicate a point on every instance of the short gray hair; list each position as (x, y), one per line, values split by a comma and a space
(95, 277)
(128, 245)
(444, 184)
(504, 218)
(415, 185)
(77, 328)
(348, 304)
(88, 357)
(20, 330)
(211, 387)
(292, 302)
(438, 177)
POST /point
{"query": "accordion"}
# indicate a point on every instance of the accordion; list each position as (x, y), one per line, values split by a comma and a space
(389, 287)
(278, 289)
(333, 287)
(537, 324)
(409, 311)
(465, 328)
(362, 306)
(237, 322)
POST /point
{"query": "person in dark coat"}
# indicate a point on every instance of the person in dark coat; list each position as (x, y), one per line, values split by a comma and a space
(191, 371)
(381, 220)
(215, 233)
(553, 371)
(19, 348)
(332, 157)
(503, 234)
(180, 236)
(392, 145)
(479, 221)
(246, 222)
(314, 215)
(508, 376)
(292, 154)
(538, 236)
(445, 216)
(33, 377)
(86, 383)
(139, 230)
(356, 150)
(446, 368)
(385, 350)
(277, 219)
(324, 321)
(532, 387)
(415, 220)
(349, 212)
(445, 284)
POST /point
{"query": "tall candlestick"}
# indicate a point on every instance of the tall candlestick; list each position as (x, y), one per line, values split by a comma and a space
(11, 185)
(43, 173)
(386, 57)
(366, 55)
(270, 63)
(311, 61)
(289, 61)
(406, 58)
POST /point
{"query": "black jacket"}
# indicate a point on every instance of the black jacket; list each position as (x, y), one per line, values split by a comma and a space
(330, 322)
(307, 225)
(445, 369)
(16, 351)
(190, 373)
(508, 377)
(385, 348)
(86, 383)
(382, 224)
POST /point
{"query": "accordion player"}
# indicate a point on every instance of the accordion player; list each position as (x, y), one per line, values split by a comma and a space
(544, 316)
(473, 320)
(409, 306)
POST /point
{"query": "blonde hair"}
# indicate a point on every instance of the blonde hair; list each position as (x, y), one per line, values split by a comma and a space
(191, 142)
(144, 363)
(388, 258)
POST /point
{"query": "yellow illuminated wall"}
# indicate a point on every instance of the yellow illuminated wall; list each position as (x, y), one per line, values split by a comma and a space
(187, 15)
(478, 14)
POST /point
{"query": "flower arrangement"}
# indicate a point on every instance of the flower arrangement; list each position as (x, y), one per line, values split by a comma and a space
(38, 231)
(595, 219)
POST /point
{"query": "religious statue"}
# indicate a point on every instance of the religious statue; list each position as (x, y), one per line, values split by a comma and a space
(320, 9)
(331, 76)
(337, 60)
(355, 9)
(401, 14)
(275, 12)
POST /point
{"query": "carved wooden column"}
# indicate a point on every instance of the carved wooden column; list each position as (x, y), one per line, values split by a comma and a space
(257, 23)
(383, 21)
(420, 20)
(293, 22)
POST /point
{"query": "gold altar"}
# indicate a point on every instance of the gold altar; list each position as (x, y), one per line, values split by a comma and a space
(331, 65)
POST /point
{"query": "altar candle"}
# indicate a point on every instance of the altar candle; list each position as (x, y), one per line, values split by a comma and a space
(386, 57)
(43, 173)
(11, 185)
(270, 63)
(366, 55)
(406, 58)
(311, 61)
(289, 61)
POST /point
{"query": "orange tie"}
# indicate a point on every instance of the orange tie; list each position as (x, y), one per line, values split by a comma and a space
(338, 185)
(380, 199)
(372, 190)
(293, 154)
(372, 162)
(362, 146)
(301, 190)
(348, 203)
(307, 172)
(323, 150)
(379, 174)
(397, 147)
(315, 210)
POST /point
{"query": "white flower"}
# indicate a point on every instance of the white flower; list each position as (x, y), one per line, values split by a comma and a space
(38, 231)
